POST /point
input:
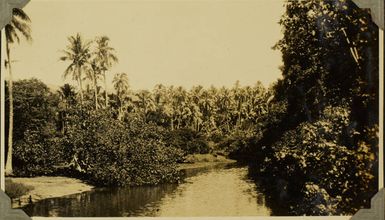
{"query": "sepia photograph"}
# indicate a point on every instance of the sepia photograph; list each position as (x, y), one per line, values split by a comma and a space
(181, 108)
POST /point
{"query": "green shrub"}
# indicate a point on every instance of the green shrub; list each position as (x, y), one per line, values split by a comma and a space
(16, 190)
(36, 147)
(111, 152)
(188, 140)
(316, 201)
(38, 152)
(240, 145)
(314, 152)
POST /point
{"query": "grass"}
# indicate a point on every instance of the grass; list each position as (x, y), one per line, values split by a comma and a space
(194, 161)
(16, 190)
(204, 158)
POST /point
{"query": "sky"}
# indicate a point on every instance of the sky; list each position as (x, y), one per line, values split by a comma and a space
(173, 42)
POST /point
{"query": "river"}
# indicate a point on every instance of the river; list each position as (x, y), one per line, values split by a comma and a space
(220, 190)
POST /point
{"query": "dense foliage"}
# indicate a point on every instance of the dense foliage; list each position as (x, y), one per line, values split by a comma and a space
(37, 147)
(188, 140)
(131, 142)
(324, 144)
(110, 152)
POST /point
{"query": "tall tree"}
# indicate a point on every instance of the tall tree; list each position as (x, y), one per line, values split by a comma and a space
(67, 96)
(78, 53)
(106, 57)
(93, 74)
(145, 102)
(19, 25)
(224, 101)
(121, 87)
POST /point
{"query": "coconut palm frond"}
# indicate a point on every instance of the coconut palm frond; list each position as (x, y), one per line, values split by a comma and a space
(19, 13)
(19, 23)
(10, 34)
(23, 28)
(67, 56)
(113, 58)
(69, 71)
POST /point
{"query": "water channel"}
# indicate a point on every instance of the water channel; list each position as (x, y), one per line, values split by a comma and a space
(220, 190)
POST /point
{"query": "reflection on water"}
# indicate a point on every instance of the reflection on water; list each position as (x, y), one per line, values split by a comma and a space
(214, 191)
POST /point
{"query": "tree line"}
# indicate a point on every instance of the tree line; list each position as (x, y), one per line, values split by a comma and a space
(214, 109)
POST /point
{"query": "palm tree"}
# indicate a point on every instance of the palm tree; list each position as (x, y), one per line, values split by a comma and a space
(145, 102)
(67, 95)
(179, 103)
(239, 98)
(106, 57)
(224, 103)
(162, 97)
(93, 75)
(194, 97)
(78, 53)
(122, 87)
(159, 93)
(207, 108)
(19, 25)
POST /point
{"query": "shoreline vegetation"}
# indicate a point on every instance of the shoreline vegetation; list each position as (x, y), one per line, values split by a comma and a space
(312, 135)
(45, 187)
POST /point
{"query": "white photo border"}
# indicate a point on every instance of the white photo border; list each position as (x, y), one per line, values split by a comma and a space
(377, 8)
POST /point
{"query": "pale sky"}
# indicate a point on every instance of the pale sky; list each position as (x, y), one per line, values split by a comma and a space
(173, 42)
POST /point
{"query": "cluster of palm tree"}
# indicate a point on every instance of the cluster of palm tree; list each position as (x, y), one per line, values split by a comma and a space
(88, 63)
(201, 109)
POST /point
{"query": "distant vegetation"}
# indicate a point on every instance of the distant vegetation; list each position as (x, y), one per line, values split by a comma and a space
(313, 135)
(137, 139)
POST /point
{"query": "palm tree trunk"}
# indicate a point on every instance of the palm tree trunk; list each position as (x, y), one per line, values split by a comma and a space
(228, 123)
(95, 93)
(120, 112)
(62, 115)
(120, 117)
(353, 49)
(8, 165)
(144, 110)
(81, 86)
(105, 88)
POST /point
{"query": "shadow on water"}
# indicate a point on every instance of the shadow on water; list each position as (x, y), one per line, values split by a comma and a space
(276, 191)
(220, 190)
(284, 197)
(128, 201)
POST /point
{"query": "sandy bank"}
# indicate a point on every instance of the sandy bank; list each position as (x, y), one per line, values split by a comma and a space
(203, 160)
(50, 187)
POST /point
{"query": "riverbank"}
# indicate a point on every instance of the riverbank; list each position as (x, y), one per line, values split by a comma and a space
(194, 161)
(45, 187)
(48, 187)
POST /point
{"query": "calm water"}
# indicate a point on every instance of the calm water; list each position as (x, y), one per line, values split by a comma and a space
(223, 190)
